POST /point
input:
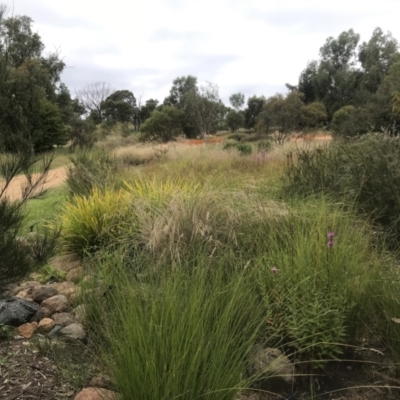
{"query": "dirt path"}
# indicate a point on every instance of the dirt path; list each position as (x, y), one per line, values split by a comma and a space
(55, 178)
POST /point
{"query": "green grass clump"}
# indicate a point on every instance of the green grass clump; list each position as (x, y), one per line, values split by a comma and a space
(90, 222)
(319, 293)
(185, 336)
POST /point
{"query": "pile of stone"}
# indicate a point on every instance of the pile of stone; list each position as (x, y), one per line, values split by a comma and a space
(43, 309)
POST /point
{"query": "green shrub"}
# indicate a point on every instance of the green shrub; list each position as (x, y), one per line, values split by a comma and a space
(162, 126)
(89, 169)
(365, 171)
(242, 148)
(319, 292)
(340, 117)
(83, 134)
(238, 136)
(235, 120)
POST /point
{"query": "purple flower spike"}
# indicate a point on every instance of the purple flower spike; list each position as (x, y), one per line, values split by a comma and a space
(274, 270)
(330, 243)
(331, 235)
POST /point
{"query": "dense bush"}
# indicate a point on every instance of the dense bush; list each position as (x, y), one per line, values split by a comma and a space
(235, 120)
(162, 126)
(91, 169)
(83, 134)
(340, 117)
(364, 170)
(242, 148)
(313, 115)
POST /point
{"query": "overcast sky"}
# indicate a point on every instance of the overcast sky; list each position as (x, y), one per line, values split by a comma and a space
(251, 46)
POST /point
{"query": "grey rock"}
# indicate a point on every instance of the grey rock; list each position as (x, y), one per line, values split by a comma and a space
(15, 311)
(63, 319)
(54, 332)
(80, 313)
(74, 331)
(270, 365)
(43, 292)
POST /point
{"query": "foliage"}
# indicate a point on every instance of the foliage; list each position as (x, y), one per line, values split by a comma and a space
(92, 221)
(205, 108)
(82, 133)
(120, 106)
(147, 109)
(388, 114)
(69, 108)
(254, 107)
(89, 170)
(238, 136)
(281, 114)
(237, 101)
(181, 86)
(21, 43)
(235, 120)
(30, 118)
(313, 115)
(308, 288)
(376, 58)
(49, 128)
(364, 171)
(242, 148)
(340, 117)
(163, 126)
(351, 74)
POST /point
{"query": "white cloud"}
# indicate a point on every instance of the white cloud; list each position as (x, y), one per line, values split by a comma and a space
(254, 46)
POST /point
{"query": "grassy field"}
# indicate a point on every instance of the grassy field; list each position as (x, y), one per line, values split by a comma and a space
(209, 257)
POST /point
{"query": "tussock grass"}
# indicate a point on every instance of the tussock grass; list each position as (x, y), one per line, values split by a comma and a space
(187, 336)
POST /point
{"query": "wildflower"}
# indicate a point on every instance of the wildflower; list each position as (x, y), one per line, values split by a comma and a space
(330, 241)
(274, 270)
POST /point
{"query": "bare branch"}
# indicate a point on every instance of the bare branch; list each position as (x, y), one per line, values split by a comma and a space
(93, 94)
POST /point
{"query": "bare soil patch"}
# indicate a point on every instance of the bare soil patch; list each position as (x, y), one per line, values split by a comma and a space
(54, 178)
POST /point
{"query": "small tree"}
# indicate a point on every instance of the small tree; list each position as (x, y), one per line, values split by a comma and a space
(205, 108)
(254, 107)
(237, 101)
(120, 106)
(162, 126)
(313, 115)
(340, 117)
(93, 95)
(282, 115)
(82, 133)
(235, 120)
